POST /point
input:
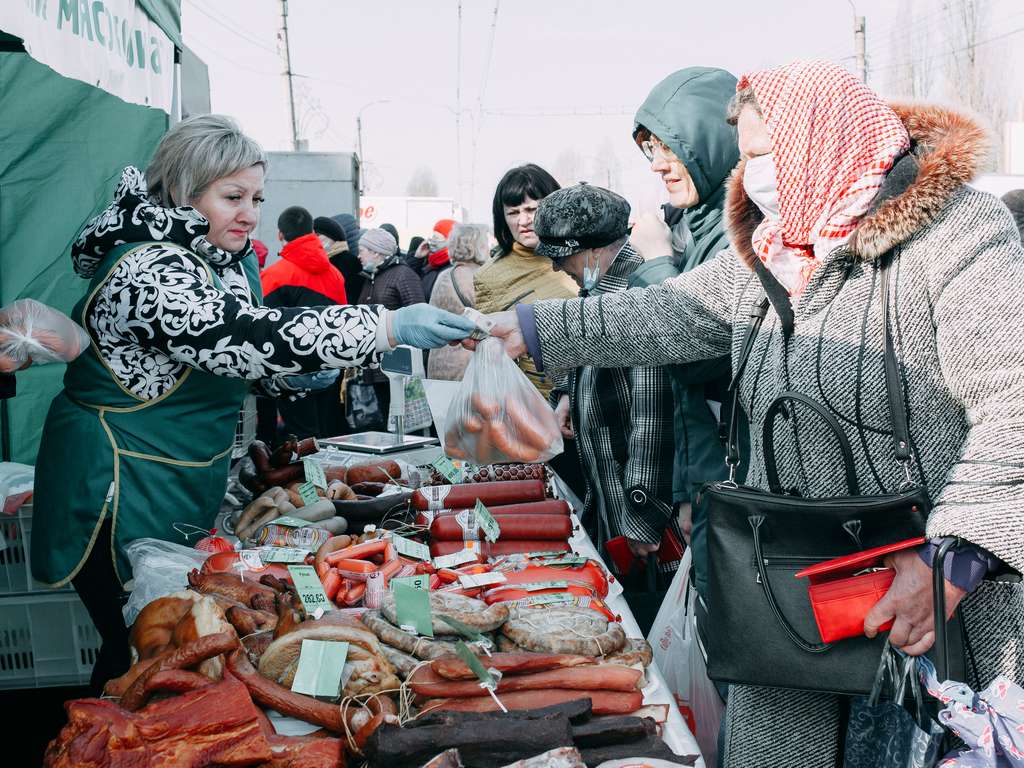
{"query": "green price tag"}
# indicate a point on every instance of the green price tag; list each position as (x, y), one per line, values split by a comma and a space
(290, 522)
(543, 555)
(447, 470)
(474, 664)
(469, 469)
(410, 548)
(314, 473)
(466, 631)
(284, 555)
(308, 494)
(488, 524)
(311, 591)
(573, 560)
(412, 609)
(420, 581)
(321, 663)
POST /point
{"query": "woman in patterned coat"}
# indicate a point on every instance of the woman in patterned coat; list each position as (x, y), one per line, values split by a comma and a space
(137, 444)
(832, 182)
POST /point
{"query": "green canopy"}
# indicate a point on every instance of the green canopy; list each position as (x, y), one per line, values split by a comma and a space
(63, 144)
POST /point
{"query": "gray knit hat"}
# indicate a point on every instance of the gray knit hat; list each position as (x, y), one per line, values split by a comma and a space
(378, 241)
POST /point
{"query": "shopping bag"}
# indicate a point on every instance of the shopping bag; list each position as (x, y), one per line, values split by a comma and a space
(990, 723)
(497, 415)
(671, 636)
(886, 730)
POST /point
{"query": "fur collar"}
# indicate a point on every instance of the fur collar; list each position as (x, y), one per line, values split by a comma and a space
(947, 149)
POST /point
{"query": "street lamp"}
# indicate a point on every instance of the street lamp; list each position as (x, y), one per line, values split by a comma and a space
(359, 135)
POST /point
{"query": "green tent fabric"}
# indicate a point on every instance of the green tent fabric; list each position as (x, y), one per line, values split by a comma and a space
(63, 144)
(167, 15)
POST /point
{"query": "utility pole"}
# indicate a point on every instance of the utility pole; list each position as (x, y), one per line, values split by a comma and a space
(359, 149)
(288, 72)
(859, 45)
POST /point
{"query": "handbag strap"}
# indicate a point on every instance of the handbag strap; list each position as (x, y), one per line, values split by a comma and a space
(893, 380)
(893, 384)
(768, 440)
(732, 448)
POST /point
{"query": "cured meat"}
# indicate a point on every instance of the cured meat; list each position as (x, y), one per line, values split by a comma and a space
(602, 702)
(621, 729)
(546, 507)
(635, 651)
(173, 621)
(176, 681)
(650, 748)
(454, 668)
(563, 757)
(450, 758)
(389, 634)
(232, 587)
(248, 621)
(465, 526)
(425, 682)
(306, 752)
(403, 662)
(466, 496)
(498, 548)
(591, 574)
(564, 630)
(378, 471)
(189, 655)
(214, 726)
(475, 614)
(494, 473)
(273, 696)
(372, 672)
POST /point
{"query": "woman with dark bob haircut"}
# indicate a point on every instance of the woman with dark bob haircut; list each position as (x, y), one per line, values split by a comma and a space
(515, 202)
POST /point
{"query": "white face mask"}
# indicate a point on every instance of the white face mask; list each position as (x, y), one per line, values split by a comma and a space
(591, 274)
(761, 184)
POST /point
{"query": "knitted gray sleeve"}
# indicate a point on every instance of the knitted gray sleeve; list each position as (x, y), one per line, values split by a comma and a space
(976, 292)
(684, 319)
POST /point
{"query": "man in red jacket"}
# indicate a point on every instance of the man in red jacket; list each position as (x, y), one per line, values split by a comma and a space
(303, 277)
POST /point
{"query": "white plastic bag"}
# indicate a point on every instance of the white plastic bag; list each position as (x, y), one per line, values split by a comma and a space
(31, 332)
(16, 484)
(498, 415)
(159, 568)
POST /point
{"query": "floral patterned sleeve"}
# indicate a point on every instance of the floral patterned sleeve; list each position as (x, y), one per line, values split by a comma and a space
(158, 313)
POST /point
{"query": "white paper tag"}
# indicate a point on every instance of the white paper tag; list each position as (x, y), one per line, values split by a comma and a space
(482, 579)
(455, 559)
(251, 559)
(410, 548)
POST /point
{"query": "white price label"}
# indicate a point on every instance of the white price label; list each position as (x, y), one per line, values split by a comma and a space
(482, 579)
(455, 559)
(410, 548)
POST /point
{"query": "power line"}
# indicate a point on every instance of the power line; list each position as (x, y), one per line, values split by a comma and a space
(216, 52)
(230, 27)
(478, 125)
(953, 52)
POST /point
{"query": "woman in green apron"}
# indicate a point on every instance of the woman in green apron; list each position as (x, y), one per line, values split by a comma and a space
(140, 438)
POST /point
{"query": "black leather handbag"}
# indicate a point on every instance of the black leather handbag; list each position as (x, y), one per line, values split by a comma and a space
(757, 623)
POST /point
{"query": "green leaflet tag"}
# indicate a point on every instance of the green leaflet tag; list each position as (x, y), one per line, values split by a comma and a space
(290, 522)
(469, 469)
(539, 585)
(447, 470)
(466, 631)
(283, 555)
(410, 548)
(474, 664)
(314, 473)
(420, 581)
(488, 524)
(571, 560)
(311, 591)
(412, 609)
(308, 494)
(321, 663)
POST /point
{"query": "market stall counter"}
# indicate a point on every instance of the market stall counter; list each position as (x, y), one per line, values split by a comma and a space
(396, 611)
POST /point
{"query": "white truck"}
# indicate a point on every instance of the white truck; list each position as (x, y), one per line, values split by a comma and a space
(411, 215)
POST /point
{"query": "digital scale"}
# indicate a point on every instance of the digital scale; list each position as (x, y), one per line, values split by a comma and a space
(399, 366)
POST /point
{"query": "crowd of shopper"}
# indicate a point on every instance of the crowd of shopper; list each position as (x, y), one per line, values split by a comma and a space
(795, 190)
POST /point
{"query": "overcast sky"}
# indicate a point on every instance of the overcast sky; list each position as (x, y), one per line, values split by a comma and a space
(559, 76)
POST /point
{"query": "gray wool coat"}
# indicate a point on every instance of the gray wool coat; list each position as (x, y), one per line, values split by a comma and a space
(957, 317)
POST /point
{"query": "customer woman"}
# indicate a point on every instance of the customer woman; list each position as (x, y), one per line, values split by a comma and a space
(453, 292)
(437, 258)
(832, 182)
(137, 444)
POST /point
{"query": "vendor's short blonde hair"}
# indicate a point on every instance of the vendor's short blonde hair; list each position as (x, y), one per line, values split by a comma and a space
(195, 153)
(468, 244)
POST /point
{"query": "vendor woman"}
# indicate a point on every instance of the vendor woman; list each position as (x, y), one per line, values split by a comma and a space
(138, 443)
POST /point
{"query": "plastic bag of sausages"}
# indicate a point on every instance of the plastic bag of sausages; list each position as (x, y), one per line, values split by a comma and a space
(31, 332)
(497, 415)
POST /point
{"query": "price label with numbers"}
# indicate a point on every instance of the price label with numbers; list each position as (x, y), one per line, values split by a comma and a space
(410, 548)
(311, 591)
(308, 494)
(284, 555)
(447, 470)
(419, 581)
(488, 524)
(314, 473)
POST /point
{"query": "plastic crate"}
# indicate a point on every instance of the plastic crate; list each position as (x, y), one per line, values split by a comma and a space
(15, 562)
(46, 640)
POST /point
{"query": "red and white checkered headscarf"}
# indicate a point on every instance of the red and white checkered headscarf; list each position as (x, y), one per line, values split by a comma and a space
(833, 141)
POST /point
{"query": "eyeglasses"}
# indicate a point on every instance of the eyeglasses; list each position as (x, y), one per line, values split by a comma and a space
(655, 146)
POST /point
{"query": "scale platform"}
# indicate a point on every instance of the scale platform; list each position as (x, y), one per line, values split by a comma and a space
(377, 442)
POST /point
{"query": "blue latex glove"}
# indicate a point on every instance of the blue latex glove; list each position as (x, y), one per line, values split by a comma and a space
(427, 327)
(309, 381)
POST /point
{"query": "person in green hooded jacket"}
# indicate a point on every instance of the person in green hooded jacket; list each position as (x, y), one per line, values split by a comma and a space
(681, 130)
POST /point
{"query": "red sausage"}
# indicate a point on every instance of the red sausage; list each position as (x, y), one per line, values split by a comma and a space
(455, 528)
(498, 548)
(491, 494)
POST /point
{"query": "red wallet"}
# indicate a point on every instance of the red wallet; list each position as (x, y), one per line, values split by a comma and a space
(843, 590)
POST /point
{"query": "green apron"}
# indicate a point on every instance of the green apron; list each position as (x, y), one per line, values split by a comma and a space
(143, 464)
